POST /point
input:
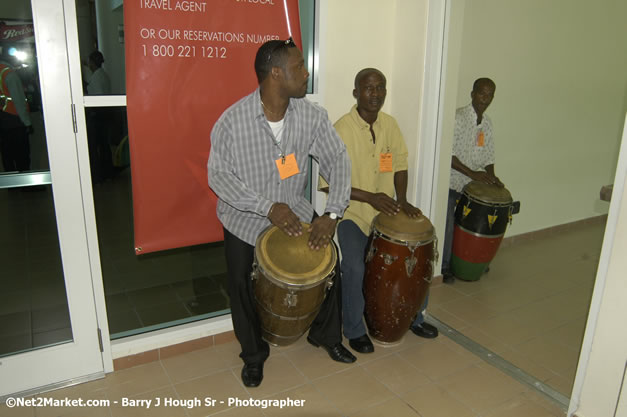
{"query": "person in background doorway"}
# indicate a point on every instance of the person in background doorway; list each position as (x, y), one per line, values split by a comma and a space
(473, 157)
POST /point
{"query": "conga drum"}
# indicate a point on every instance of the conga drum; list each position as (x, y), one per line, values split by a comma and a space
(400, 261)
(290, 283)
(481, 217)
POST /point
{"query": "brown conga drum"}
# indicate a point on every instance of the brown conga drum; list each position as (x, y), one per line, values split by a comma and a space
(291, 282)
(400, 261)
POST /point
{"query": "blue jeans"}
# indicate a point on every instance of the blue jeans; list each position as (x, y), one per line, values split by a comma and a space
(353, 244)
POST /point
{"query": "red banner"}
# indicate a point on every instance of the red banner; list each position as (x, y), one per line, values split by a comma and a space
(186, 62)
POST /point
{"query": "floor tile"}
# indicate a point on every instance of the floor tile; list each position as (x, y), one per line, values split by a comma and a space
(134, 381)
(315, 363)
(435, 360)
(202, 362)
(394, 407)
(279, 375)
(482, 387)
(352, 390)
(313, 403)
(520, 406)
(435, 401)
(219, 386)
(397, 374)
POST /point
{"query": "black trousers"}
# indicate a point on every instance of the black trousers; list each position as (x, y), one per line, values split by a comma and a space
(326, 328)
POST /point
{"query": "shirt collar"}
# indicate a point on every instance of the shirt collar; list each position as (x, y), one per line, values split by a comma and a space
(361, 122)
(259, 107)
(473, 112)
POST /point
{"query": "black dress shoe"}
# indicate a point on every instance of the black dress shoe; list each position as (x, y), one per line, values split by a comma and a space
(252, 374)
(361, 344)
(337, 352)
(425, 330)
(448, 278)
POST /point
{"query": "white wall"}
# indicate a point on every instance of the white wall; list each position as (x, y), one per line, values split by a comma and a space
(388, 35)
(560, 68)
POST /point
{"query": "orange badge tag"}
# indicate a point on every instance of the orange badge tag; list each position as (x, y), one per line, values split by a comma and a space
(385, 162)
(287, 166)
(480, 139)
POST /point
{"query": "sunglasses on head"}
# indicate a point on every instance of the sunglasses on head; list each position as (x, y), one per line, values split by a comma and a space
(282, 44)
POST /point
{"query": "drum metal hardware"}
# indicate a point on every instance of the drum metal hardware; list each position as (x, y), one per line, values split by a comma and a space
(388, 259)
(410, 264)
(329, 282)
(398, 277)
(371, 251)
(253, 273)
(291, 299)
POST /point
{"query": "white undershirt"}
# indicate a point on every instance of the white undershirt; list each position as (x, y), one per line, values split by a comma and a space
(277, 130)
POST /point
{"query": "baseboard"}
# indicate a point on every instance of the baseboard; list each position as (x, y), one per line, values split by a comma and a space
(172, 350)
(553, 230)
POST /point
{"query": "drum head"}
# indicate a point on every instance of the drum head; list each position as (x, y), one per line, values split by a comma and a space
(405, 228)
(488, 192)
(289, 258)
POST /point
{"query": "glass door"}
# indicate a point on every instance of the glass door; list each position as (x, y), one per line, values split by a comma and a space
(48, 327)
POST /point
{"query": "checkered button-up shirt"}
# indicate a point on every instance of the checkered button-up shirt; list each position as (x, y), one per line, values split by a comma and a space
(243, 173)
(466, 147)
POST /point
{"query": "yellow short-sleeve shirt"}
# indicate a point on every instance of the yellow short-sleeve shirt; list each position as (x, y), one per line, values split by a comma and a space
(366, 160)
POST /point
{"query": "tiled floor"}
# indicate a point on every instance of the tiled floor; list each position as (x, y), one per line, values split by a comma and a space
(530, 309)
(426, 378)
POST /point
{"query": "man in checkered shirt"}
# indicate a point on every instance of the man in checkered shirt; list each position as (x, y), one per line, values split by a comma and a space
(258, 167)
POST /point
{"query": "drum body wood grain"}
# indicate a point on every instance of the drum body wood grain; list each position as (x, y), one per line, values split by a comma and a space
(399, 268)
(291, 282)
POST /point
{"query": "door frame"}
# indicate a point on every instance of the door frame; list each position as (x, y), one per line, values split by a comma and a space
(81, 359)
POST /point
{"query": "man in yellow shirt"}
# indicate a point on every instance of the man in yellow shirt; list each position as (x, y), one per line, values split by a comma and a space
(372, 138)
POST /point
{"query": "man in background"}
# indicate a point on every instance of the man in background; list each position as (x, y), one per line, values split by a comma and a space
(473, 157)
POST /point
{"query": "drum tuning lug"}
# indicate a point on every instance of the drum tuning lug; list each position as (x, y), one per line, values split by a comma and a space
(388, 259)
(371, 251)
(410, 264)
(329, 282)
(290, 299)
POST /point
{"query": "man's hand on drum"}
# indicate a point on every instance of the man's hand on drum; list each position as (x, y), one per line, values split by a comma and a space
(284, 218)
(410, 210)
(322, 230)
(487, 178)
(384, 203)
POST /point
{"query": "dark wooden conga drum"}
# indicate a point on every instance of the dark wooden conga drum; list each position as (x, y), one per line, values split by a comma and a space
(291, 282)
(481, 218)
(400, 261)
